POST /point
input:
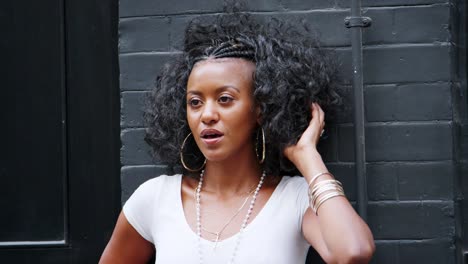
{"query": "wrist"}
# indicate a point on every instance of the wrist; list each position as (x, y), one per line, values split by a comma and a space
(310, 164)
(304, 155)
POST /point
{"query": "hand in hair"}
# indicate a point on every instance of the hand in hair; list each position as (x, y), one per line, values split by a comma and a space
(307, 144)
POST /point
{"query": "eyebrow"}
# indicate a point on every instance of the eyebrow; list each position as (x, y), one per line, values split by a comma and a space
(219, 89)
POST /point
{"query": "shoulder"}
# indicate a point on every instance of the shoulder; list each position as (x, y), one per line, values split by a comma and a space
(141, 208)
(294, 189)
(159, 181)
(153, 186)
(294, 182)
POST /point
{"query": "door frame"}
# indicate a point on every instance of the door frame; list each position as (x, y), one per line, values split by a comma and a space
(90, 30)
(93, 110)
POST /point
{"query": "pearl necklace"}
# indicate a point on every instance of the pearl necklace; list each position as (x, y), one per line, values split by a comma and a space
(244, 223)
(218, 234)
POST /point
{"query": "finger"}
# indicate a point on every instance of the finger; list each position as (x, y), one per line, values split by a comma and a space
(315, 112)
(315, 126)
(321, 113)
(315, 121)
(322, 117)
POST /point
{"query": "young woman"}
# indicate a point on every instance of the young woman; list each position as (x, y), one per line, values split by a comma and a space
(241, 106)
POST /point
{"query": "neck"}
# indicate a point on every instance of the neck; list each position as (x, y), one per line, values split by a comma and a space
(231, 177)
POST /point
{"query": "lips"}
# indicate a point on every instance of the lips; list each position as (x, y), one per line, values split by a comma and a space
(210, 133)
(211, 136)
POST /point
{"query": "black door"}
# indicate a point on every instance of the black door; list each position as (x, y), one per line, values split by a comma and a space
(59, 130)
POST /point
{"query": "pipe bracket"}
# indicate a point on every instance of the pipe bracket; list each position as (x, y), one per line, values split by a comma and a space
(357, 22)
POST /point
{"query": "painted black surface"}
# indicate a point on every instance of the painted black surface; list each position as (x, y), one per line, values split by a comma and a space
(33, 150)
(460, 105)
(60, 103)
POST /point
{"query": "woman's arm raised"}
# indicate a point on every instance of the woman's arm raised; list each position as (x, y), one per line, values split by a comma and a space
(337, 232)
(126, 245)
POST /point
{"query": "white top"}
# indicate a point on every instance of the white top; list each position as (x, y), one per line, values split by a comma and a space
(273, 236)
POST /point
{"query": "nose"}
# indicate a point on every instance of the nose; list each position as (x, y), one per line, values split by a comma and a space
(210, 113)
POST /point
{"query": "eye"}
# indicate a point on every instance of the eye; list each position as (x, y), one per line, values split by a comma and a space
(194, 102)
(224, 99)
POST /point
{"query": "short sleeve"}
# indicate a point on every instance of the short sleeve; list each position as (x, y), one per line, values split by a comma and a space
(140, 207)
(302, 198)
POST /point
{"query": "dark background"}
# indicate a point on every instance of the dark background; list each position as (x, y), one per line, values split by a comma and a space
(59, 137)
(62, 108)
(415, 102)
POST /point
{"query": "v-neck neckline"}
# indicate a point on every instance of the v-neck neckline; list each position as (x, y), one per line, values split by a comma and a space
(263, 211)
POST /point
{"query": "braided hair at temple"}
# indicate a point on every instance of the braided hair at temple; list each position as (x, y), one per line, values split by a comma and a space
(292, 71)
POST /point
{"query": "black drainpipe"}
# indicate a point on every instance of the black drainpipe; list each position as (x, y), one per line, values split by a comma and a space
(355, 23)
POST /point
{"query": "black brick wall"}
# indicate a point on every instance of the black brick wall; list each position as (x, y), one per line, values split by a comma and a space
(409, 74)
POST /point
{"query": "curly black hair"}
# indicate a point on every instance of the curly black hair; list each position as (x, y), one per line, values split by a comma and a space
(292, 71)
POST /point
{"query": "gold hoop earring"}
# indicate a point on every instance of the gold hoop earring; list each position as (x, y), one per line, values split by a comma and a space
(263, 147)
(182, 156)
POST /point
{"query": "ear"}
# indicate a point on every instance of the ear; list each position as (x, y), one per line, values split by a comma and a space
(258, 114)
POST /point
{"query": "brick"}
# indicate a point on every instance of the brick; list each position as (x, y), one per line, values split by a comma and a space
(399, 63)
(382, 181)
(422, 24)
(327, 144)
(133, 176)
(287, 5)
(403, 63)
(345, 112)
(434, 251)
(128, 8)
(426, 181)
(131, 109)
(411, 220)
(425, 24)
(178, 25)
(151, 7)
(385, 253)
(399, 142)
(139, 71)
(327, 25)
(390, 25)
(401, 181)
(381, 102)
(345, 173)
(134, 149)
(323, 23)
(367, 3)
(396, 102)
(414, 63)
(144, 34)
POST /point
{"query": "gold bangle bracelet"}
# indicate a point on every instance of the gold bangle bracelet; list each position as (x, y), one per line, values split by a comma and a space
(316, 199)
(319, 184)
(318, 188)
(325, 191)
(315, 177)
(324, 188)
(326, 198)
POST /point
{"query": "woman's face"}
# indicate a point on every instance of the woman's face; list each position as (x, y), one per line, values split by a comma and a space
(220, 107)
